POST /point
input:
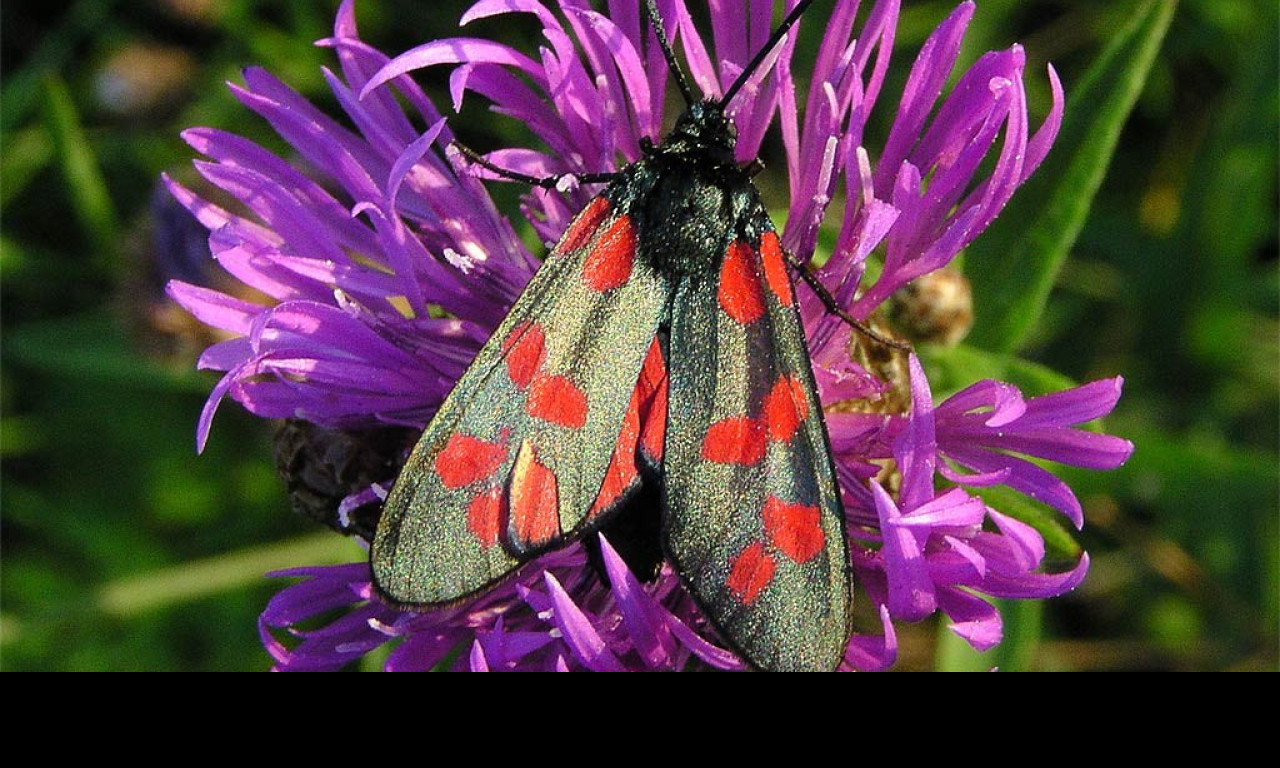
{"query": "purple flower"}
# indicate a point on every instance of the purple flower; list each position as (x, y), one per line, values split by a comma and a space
(934, 551)
(390, 265)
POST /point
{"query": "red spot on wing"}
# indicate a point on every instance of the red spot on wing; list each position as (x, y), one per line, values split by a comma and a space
(526, 349)
(775, 269)
(643, 429)
(534, 501)
(785, 408)
(740, 294)
(735, 440)
(558, 400)
(622, 469)
(751, 572)
(794, 529)
(653, 381)
(466, 459)
(584, 226)
(485, 515)
(609, 263)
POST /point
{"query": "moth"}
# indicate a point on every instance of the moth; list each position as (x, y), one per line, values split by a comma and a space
(658, 347)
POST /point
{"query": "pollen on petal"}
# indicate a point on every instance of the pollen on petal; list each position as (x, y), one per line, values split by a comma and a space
(558, 400)
(785, 408)
(485, 515)
(794, 529)
(466, 459)
(735, 440)
(584, 226)
(740, 294)
(751, 572)
(534, 501)
(609, 263)
(775, 269)
(526, 349)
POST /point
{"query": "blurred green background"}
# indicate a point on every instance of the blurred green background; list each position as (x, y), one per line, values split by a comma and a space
(124, 551)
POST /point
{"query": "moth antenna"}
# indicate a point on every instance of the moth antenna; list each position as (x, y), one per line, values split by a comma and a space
(651, 10)
(763, 53)
(546, 182)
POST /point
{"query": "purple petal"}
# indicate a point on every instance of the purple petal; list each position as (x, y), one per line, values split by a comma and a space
(1036, 585)
(917, 447)
(477, 659)
(455, 51)
(205, 423)
(323, 588)
(1024, 477)
(410, 157)
(978, 480)
(258, 265)
(1073, 406)
(486, 8)
(924, 84)
(1069, 446)
(974, 565)
(972, 618)
(1025, 543)
(630, 68)
(1039, 145)
(225, 355)
(911, 595)
(953, 508)
(579, 634)
(214, 308)
(650, 636)
(214, 217)
(712, 654)
(874, 654)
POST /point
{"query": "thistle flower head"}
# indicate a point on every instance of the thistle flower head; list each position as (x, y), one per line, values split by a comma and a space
(388, 264)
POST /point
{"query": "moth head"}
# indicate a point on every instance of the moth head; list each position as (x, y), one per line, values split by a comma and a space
(705, 124)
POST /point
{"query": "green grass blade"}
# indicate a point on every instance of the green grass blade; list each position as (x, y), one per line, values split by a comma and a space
(22, 92)
(90, 197)
(26, 153)
(95, 347)
(223, 573)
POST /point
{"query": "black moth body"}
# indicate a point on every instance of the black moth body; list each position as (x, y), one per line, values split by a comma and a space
(659, 347)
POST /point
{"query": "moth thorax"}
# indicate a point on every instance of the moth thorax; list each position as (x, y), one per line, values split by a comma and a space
(686, 214)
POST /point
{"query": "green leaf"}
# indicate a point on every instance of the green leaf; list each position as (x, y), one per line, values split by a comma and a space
(1014, 264)
(26, 153)
(93, 346)
(58, 50)
(223, 573)
(88, 190)
(952, 369)
(1217, 500)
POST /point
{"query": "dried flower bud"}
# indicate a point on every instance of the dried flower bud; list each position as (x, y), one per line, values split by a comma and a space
(935, 308)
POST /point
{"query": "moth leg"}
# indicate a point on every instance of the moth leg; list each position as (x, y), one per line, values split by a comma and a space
(546, 182)
(829, 302)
